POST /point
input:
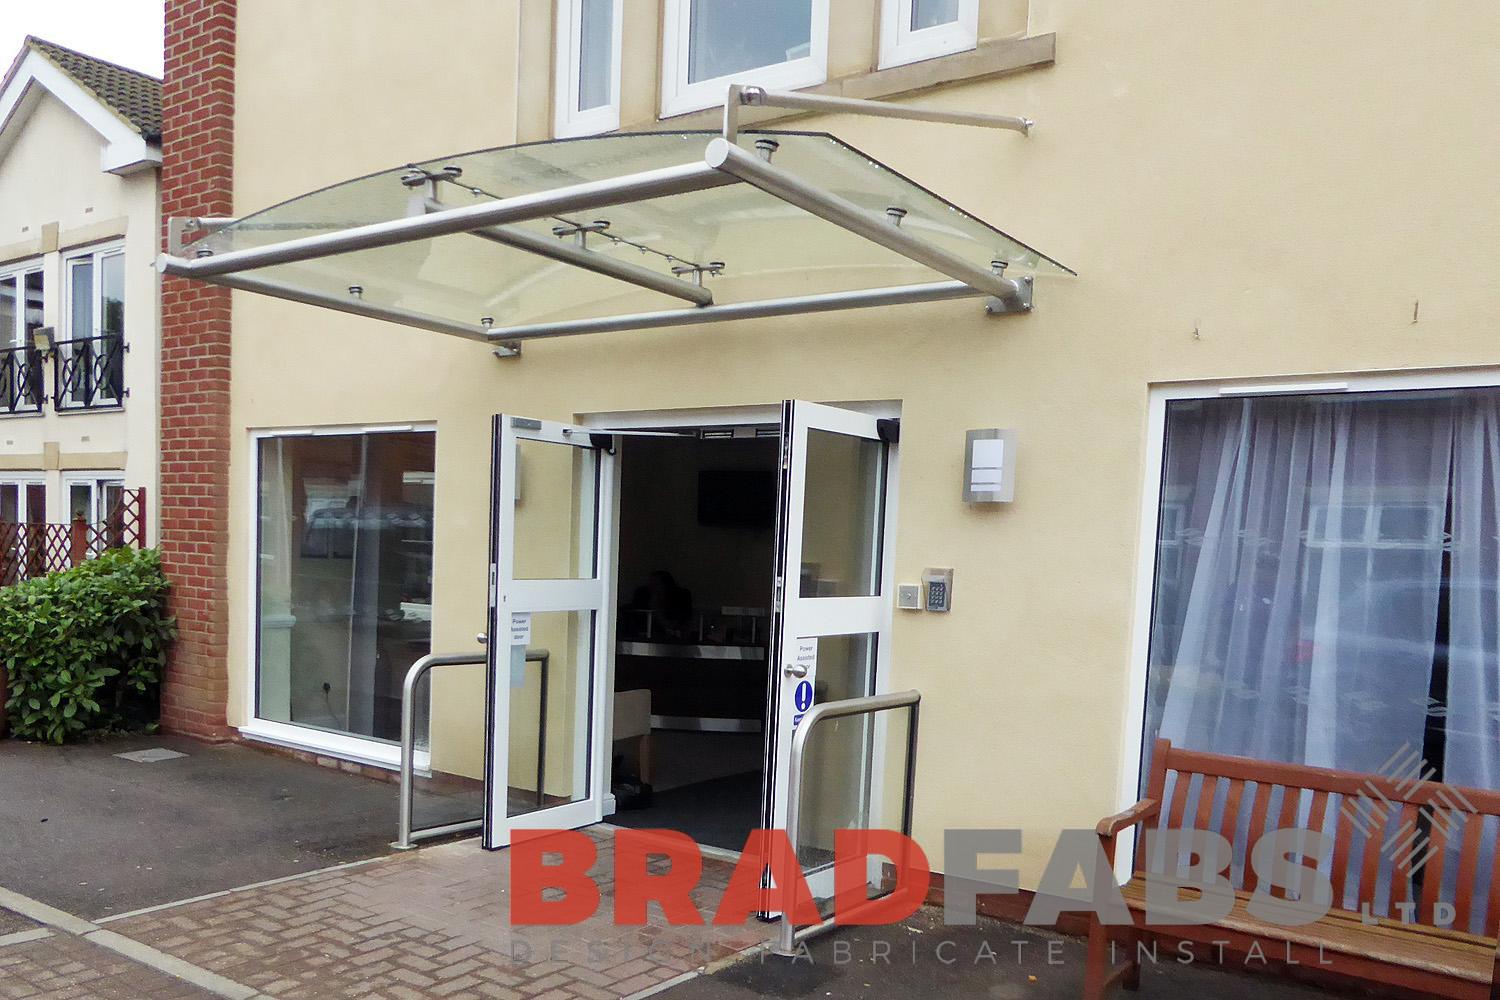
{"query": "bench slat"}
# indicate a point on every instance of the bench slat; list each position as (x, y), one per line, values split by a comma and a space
(1492, 910)
(1369, 869)
(1257, 827)
(1343, 840)
(1206, 796)
(1436, 866)
(1401, 861)
(1179, 800)
(1468, 872)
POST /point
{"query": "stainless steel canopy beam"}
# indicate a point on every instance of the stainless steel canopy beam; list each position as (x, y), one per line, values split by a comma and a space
(759, 97)
(825, 302)
(588, 260)
(350, 303)
(732, 160)
(520, 208)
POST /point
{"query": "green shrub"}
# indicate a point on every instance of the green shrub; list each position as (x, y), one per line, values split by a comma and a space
(85, 648)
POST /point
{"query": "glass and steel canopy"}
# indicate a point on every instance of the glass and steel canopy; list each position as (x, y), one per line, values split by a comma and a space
(622, 231)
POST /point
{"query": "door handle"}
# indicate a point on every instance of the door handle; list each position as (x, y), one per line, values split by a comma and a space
(795, 669)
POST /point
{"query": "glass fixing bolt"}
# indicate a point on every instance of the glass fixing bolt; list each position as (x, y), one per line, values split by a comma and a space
(713, 268)
(765, 147)
(895, 215)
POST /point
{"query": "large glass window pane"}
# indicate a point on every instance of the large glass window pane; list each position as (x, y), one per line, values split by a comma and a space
(112, 294)
(931, 13)
(110, 366)
(36, 503)
(81, 327)
(81, 501)
(81, 302)
(596, 53)
(10, 329)
(345, 577)
(730, 36)
(550, 697)
(32, 317)
(10, 503)
(33, 307)
(842, 515)
(1326, 586)
(555, 527)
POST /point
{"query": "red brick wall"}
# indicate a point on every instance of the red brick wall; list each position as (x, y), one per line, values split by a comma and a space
(196, 175)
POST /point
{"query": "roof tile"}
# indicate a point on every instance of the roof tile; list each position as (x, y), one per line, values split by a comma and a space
(133, 95)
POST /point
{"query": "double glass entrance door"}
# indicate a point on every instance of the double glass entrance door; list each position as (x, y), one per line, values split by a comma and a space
(553, 595)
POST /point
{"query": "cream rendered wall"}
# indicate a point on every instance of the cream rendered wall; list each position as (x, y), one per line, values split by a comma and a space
(54, 200)
(1253, 190)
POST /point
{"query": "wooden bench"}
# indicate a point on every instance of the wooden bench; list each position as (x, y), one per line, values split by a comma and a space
(1404, 890)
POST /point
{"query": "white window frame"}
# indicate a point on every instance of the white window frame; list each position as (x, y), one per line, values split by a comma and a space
(96, 481)
(900, 45)
(19, 271)
(20, 481)
(1133, 732)
(95, 255)
(568, 121)
(678, 96)
(344, 746)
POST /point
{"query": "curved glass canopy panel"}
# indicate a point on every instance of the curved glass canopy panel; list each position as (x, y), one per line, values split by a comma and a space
(755, 244)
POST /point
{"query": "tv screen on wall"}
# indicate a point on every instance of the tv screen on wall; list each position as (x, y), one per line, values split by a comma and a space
(737, 498)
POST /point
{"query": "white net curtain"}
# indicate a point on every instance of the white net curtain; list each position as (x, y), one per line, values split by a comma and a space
(1326, 586)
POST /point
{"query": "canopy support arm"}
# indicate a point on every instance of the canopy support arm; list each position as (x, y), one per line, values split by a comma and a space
(795, 306)
(588, 260)
(725, 156)
(520, 208)
(759, 97)
(352, 303)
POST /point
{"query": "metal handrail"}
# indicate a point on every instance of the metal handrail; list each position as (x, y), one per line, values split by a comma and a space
(789, 933)
(406, 837)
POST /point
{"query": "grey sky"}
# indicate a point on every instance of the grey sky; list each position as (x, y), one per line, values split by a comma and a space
(123, 31)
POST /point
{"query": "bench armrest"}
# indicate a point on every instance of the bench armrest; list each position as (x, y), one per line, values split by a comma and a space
(1140, 812)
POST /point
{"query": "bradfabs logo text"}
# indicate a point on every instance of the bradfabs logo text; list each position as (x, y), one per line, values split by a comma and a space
(1186, 878)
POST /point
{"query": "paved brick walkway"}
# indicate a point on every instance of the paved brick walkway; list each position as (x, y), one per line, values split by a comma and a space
(63, 967)
(432, 923)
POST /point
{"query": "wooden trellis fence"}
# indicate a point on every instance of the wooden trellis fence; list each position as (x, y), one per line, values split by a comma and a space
(31, 550)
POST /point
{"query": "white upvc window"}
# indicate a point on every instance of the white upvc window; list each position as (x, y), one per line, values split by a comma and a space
(913, 30)
(92, 496)
(588, 67)
(709, 44)
(20, 303)
(93, 342)
(21, 379)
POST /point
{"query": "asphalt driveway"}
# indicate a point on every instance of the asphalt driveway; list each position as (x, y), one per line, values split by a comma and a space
(94, 834)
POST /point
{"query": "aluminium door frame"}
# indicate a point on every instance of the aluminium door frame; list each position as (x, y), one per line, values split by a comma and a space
(575, 595)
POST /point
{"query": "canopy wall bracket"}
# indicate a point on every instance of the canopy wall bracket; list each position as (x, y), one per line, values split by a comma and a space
(743, 95)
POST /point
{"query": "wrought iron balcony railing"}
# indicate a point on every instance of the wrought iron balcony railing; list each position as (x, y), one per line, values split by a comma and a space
(21, 389)
(89, 372)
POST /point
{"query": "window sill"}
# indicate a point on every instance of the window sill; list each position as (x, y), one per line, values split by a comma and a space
(96, 408)
(990, 59)
(14, 414)
(371, 753)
